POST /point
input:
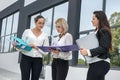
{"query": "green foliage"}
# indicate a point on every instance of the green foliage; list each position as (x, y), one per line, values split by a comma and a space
(115, 19)
(80, 61)
(115, 56)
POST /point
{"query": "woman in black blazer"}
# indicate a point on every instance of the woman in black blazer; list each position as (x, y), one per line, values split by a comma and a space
(100, 56)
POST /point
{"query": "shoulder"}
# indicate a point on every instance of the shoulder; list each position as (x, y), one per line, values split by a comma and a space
(104, 33)
(103, 30)
(68, 34)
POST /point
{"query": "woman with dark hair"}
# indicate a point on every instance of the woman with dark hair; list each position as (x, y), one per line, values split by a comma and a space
(99, 64)
(31, 62)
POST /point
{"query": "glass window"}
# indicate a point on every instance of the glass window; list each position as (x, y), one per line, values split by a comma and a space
(9, 25)
(86, 17)
(6, 44)
(48, 22)
(112, 7)
(3, 27)
(87, 13)
(15, 22)
(1, 43)
(61, 11)
(113, 14)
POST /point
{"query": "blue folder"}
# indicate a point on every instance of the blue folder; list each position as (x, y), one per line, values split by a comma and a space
(61, 48)
(20, 44)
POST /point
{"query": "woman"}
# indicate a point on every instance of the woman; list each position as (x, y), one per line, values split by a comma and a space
(60, 64)
(100, 63)
(31, 62)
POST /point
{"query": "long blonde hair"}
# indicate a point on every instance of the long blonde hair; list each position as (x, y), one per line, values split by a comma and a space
(63, 23)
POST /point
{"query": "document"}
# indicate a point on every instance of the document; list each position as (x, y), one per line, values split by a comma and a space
(20, 44)
(89, 42)
(61, 48)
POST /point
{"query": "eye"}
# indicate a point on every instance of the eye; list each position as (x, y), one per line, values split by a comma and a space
(58, 26)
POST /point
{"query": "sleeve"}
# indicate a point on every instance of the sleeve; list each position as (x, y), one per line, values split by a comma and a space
(24, 35)
(104, 43)
(68, 41)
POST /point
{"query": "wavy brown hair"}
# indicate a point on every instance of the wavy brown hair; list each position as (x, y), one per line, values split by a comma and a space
(103, 23)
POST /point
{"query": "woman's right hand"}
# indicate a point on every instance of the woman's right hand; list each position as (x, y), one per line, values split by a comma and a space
(34, 46)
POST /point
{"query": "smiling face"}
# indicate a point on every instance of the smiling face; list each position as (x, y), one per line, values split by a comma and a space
(95, 21)
(40, 23)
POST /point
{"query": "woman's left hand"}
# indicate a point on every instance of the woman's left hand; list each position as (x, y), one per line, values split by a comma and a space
(55, 51)
(83, 51)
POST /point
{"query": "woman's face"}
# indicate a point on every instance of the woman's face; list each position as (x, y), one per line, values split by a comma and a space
(95, 21)
(59, 28)
(40, 23)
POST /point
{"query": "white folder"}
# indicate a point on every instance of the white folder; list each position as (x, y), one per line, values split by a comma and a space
(89, 42)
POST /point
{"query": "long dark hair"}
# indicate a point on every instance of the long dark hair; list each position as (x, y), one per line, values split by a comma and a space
(103, 23)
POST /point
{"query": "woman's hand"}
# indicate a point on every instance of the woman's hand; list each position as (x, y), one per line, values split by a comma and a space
(83, 51)
(55, 51)
(34, 46)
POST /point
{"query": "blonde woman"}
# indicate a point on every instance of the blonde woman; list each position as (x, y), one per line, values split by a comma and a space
(60, 63)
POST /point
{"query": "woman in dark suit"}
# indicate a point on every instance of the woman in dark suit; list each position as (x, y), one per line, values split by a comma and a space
(100, 56)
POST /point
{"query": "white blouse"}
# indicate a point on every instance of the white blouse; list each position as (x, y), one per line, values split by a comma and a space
(63, 41)
(42, 40)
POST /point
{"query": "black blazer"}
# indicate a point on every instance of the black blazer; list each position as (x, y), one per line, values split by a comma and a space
(104, 39)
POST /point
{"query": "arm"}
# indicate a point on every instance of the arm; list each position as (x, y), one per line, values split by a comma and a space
(104, 43)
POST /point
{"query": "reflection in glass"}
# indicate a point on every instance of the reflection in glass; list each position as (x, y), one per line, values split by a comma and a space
(48, 16)
(3, 27)
(87, 13)
(15, 22)
(7, 44)
(1, 44)
(61, 11)
(9, 25)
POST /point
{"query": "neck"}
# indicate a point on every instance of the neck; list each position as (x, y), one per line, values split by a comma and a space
(37, 30)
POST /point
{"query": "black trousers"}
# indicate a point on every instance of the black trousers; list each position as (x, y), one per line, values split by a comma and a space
(31, 66)
(59, 69)
(98, 70)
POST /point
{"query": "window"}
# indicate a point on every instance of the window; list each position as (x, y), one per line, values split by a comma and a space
(113, 14)
(87, 13)
(86, 17)
(61, 11)
(9, 28)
